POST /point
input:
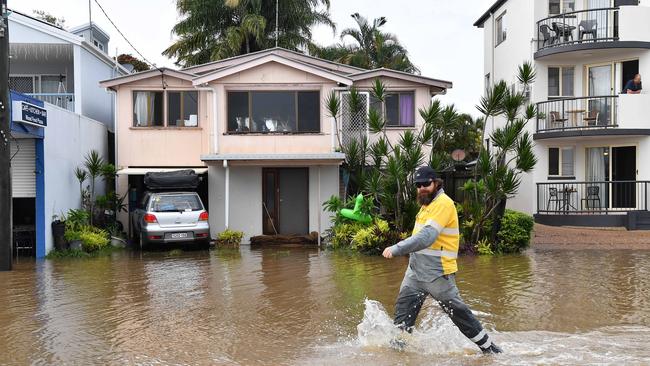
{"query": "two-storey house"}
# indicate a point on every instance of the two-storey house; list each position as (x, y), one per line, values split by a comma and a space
(62, 67)
(590, 136)
(258, 125)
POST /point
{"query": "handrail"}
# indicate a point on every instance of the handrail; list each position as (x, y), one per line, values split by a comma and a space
(575, 12)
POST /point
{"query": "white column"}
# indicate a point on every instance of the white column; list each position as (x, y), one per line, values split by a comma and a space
(78, 92)
(227, 193)
(320, 208)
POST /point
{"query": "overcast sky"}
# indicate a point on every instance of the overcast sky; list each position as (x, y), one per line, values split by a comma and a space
(438, 34)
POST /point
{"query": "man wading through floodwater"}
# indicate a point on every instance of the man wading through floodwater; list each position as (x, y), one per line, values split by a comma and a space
(433, 249)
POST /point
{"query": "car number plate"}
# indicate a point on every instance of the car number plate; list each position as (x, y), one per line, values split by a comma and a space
(179, 235)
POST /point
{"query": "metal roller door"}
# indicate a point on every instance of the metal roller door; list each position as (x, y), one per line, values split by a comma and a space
(23, 165)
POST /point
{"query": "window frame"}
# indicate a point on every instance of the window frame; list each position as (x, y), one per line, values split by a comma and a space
(548, 8)
(181, 109)
(294, 91)
(561, 81)
(165, 107)
(399, 108)
(561, 174)
(498, 33)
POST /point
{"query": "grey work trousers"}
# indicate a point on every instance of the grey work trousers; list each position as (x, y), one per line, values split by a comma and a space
(443, 289)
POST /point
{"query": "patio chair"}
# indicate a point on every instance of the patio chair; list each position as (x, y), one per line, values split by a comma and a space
(588, 27)
(553, 196)
(592, 118)
(592, 197)
(545, 31)
(556, 120)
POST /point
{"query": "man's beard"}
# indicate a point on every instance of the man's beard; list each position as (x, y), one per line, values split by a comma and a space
(425, 198)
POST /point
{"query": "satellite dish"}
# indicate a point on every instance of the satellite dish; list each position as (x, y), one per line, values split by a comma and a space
(458, 154)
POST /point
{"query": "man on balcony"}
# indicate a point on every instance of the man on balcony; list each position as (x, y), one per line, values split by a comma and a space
(633, 86)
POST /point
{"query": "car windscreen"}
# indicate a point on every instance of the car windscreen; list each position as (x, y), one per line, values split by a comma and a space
(180, 202)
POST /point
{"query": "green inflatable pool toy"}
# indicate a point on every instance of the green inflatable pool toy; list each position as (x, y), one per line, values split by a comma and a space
(356, 214)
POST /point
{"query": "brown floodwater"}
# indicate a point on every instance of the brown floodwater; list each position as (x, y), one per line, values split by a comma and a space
(298, 306)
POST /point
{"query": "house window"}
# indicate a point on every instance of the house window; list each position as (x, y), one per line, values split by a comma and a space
(560, 82)
(400, 109)
(500, 28)
(561, 161)
(273, 111)
(487, 82)
(38, 83)
(182, 108)
(561, 6)
(147, 108)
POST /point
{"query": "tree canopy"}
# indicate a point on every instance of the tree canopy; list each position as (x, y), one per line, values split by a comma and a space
(211, 30)
(372, 48)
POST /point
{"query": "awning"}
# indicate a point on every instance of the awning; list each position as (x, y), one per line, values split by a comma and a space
(334, 158)
(143, 171)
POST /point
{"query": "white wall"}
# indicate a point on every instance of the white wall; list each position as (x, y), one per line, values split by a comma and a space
(68, 138)
(634, 24)
(329, 186)
(97, 103)
(246, 198)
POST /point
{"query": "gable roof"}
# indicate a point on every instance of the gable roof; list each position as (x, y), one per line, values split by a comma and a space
(62, 34)
(339, 73)
(272, 57)
(369, 74)
(326, 64)
(109, 83)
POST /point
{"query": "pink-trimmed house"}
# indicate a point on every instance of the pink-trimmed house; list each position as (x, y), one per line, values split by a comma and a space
(258, 125)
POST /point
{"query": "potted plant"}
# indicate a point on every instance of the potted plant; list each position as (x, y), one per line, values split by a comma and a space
(58, 232)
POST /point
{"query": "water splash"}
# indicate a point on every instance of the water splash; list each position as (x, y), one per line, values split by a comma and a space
(435, 334)
(376, 328)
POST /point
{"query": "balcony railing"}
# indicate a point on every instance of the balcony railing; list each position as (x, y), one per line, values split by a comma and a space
(594, 25)
(577, 113)
(598, 197)
(63, 100)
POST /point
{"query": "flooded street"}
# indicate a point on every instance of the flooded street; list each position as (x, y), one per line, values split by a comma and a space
(297, 306)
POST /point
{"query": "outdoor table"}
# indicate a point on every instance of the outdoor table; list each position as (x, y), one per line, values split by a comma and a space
(573, 116)
(567, 193)
(564, 30)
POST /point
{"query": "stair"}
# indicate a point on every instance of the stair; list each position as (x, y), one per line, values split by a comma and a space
(638, 220)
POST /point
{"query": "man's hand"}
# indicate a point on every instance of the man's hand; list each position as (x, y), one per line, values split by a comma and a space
(387, 253)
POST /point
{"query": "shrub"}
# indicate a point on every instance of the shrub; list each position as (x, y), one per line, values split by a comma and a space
(516, 229)
(230, 237)
(366, 238)
(93, 240)
(76, 220)
(483, 247)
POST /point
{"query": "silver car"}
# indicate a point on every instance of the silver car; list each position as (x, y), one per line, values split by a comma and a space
(171, 217)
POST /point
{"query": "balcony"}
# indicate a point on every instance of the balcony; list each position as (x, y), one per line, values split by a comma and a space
(62, 100)
(593, 29)
(597, 197)
(593, 116)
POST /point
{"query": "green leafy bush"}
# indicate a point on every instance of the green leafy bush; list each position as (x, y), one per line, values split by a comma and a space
(92, 238)
(76, 220)
(516, 229)
(366, 238)
(230, 237)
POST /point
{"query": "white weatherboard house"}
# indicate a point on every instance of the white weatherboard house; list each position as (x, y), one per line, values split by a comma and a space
(591, 140)
(259, 126)
(54, 71)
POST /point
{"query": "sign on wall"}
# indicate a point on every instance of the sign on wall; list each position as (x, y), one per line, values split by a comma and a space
(29, 113)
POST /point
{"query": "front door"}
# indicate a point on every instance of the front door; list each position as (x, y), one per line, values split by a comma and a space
(285, 208)
(624, 169)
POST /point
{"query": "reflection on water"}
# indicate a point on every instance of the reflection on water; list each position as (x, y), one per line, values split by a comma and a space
(303, 306)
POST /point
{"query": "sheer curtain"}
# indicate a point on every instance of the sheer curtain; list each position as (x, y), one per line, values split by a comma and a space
(597, 171)
(141, 107)
(406, 110)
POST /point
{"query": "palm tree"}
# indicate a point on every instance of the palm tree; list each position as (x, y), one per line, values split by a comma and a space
(215, 29)
(372, 48)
